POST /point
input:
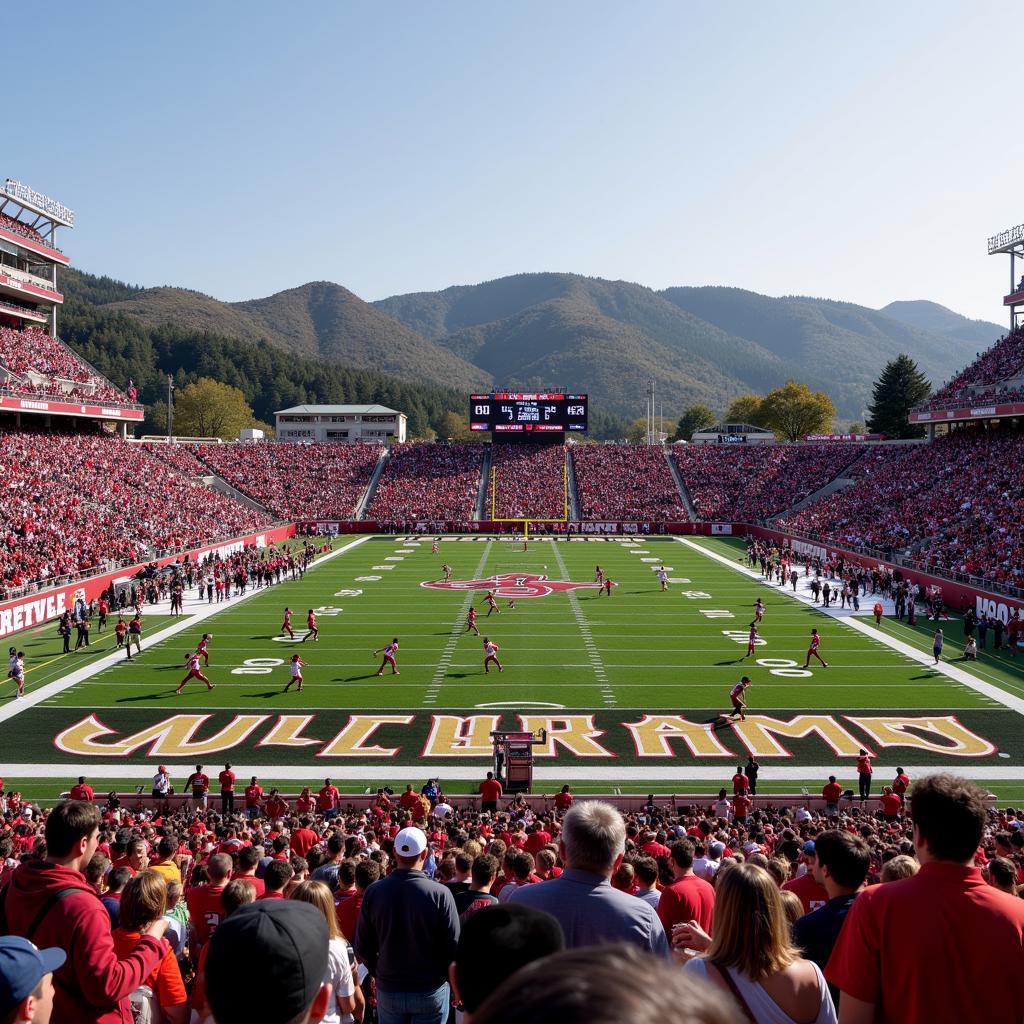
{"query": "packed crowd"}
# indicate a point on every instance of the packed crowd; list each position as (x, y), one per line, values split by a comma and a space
(748, 484)
(626, 482)
(77, 502)
(183, 457)
(20, 228)
(956, 502)
(33, 351)
(429, 481)
(1005, 359)
(530, 481)
(307, 909)
(297, 481)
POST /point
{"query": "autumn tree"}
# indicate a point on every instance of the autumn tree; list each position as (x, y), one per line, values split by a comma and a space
(637, 432)
(208, 408)
(746, 409)
(694, 419)
(794, 410)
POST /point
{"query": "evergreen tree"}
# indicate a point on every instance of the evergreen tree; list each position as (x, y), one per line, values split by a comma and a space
(901, 387)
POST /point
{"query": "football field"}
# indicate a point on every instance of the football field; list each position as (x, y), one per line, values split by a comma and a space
(631, 687)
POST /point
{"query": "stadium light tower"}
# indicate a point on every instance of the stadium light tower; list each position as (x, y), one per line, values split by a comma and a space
(1011, 242)
(170, 406)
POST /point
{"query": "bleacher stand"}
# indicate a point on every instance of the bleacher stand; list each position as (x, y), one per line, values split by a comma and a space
(429, 481)
(530, 481)
(621, 483)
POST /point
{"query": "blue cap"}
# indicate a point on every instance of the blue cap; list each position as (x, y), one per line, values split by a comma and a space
(22, 967)
(809, 847)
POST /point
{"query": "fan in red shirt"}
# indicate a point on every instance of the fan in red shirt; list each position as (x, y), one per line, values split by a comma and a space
(564, 799)
(205, 907)
(740, 782)
(327, 799)
(227, 790)
(942, 945)
(253, 796)
(891, 804)
(277, 806)
(303, 838)
(199, 783)
(83, 791)
(812, 894)
(741, 805)
(305, 802)
(490, 793)
(688, 898)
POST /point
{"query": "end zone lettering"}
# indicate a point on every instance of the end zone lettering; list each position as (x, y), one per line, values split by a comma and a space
(32, 612)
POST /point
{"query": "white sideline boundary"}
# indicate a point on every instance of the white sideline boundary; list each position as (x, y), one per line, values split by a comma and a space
(15, 707)
(140, 773)
(954, 672)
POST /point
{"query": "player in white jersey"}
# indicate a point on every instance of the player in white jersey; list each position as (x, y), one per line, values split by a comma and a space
(296, 665)
(390, 651)
(194, 672)
(739, 705)
(491, 654)
(663, 578)
(17, 672)
(758, 610)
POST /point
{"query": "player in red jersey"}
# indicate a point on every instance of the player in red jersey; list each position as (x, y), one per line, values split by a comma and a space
(203, 649)
(389, 657)
(492, 604)
(311, 627)
(286, 626)
(471, 622)
(751, 640)
(491, 654)
(433, 547)
(194, 672)
(736, 696)
(812, 651)
(598, 575)
(295, 665)
(606, 586)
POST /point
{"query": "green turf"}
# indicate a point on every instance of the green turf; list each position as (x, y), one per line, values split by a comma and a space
(617, 658)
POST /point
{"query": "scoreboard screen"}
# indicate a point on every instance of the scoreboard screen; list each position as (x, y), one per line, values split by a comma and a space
(523, 412)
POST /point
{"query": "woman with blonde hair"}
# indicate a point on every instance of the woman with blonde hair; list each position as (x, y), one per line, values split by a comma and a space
(752, 955)
(349, 1003)
(144, 901)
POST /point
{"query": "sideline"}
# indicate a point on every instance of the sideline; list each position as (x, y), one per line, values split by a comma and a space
(15, 707)
(954, 672)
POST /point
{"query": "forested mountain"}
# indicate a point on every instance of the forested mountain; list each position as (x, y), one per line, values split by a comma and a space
(930, 316)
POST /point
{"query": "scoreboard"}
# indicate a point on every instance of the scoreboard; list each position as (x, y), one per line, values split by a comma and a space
(524, 412)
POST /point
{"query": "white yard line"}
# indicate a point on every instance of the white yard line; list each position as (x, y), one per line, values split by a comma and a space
(449, 770)
(845, 616)
(607, 693)
(187, 621)
(444, 663)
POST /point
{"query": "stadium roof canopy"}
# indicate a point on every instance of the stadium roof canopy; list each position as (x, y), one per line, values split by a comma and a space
(337, 410)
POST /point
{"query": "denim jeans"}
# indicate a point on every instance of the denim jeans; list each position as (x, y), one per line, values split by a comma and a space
(413, 1007)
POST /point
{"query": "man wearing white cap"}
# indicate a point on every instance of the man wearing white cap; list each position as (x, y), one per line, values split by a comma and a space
(406, 936)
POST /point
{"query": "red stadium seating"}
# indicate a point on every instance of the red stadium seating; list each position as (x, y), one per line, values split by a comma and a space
(429, 481)
(21, 229)
(76, 502)
(626, 482)
(1003, 360)
(530, 481)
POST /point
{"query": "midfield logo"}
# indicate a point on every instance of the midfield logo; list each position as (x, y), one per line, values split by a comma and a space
(514, 585)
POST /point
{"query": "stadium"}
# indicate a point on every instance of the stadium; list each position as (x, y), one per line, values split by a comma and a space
(628, 685)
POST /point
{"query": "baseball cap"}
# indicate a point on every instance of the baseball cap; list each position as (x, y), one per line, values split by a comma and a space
(22, 967)
(808, 848)
(284, 943)
(410, 842)
(717, 848)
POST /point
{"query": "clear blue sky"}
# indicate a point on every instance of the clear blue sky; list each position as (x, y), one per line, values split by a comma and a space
(862, 152)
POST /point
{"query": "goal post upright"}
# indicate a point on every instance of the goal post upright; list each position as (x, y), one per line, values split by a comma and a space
(526, 520)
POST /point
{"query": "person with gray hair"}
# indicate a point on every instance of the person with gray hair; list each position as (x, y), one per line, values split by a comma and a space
(582, 899)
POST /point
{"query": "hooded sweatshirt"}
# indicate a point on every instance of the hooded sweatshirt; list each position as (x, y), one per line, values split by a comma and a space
(93, 985)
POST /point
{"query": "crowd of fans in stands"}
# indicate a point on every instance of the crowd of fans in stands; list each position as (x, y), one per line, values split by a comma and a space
(777, 913)
(748, 484)
(429, 481)
(183, 457)
(33, 350)
(296, 481)
(620, 483)
(76, 502)
(957, 499)
(530, 482)
(1005, 359)
(21, 228)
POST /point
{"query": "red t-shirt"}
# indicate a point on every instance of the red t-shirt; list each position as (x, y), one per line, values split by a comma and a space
(740, 783)
(272, 895)
(490, 790)
(199, 782)
(536, 841)
(82, 791)
(257, 884)
(941, 946)
(891, 804)
(656, 849)
(347, 913)
(303, 840)
(687, 899)
(832, 791)
(276, 806)
(563, 801)
(205, 909)
(305, 804)
(811, 894)
(252, 795)
(741, 805)
(327, 798)
(227, 781)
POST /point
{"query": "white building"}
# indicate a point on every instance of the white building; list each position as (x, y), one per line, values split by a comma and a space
(343, 424)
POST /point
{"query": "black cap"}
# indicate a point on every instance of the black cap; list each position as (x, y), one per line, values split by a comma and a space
(266, 962)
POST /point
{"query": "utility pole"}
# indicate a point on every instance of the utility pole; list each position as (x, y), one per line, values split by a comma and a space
(170, 406)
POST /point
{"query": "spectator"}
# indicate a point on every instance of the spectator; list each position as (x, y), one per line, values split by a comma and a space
(493, 945)
(248, 862)
(429, 481)
(589, 910)
(50, 903)
(143, 903)
(276, 878)
(616, 984)
(490, 793)
(688, 898)
(945, 901)
(26, 980)
(117, 879)
(898, 868)
(407, 911)
(163, 864)
(752, 956)
(625, 483)
(346, 995)
(205, 906)
(646, 869)
(806, 885)
(478, 896)
(347, 911)
(282, 944)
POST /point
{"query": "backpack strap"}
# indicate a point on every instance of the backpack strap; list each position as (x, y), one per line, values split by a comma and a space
(724, 974)
(47, 907)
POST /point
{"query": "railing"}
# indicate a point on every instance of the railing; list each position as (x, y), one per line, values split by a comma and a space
(44, 396)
